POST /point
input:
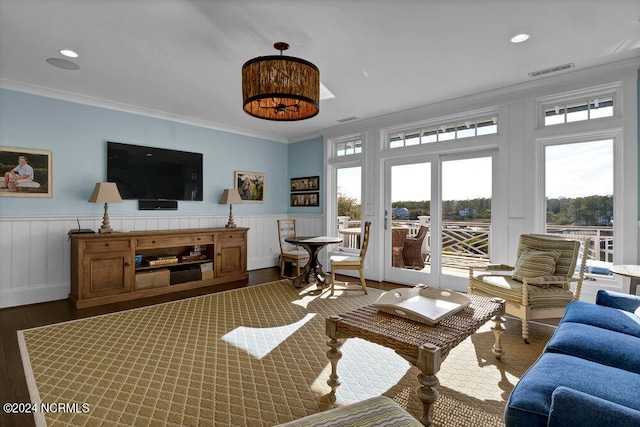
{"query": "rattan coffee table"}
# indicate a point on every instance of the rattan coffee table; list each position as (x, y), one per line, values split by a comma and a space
(423, 345)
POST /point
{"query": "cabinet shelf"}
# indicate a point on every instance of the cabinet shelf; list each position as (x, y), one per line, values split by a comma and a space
(172, 265)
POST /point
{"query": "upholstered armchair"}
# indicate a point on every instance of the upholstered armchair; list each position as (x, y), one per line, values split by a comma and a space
(546, 278)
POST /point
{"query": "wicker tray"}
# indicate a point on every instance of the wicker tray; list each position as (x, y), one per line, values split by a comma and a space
(421, 303)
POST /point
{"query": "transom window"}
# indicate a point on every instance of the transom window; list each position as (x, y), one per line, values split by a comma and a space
(575, 111)
(348, 147)
(462, 129)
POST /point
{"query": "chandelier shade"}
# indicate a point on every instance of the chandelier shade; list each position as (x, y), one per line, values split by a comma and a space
(280, 88)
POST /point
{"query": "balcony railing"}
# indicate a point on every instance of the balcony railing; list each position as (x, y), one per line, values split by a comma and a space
(468, 242)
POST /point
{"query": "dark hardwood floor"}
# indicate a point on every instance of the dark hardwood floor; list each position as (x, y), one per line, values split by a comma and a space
(13, 386)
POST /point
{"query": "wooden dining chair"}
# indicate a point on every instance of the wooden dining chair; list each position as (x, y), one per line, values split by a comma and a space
(346, 262)
(288, 252)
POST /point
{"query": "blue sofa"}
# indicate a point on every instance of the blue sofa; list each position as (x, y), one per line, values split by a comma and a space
(589, 372)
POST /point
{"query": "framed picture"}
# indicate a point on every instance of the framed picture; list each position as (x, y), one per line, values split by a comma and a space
(305, 199)
(250, 185)
(309, 183)
(25, 173)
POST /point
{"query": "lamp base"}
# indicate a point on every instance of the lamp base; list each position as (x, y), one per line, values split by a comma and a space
(106, 227)
(230, 223)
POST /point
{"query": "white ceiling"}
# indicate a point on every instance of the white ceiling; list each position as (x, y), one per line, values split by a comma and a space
(183, 58)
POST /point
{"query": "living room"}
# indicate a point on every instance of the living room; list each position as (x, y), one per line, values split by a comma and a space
(73, 128)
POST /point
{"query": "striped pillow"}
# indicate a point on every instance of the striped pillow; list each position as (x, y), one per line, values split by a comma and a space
(532, 264)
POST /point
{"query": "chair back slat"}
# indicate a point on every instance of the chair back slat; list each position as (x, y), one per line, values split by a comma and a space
(365, 241)
(286, 229)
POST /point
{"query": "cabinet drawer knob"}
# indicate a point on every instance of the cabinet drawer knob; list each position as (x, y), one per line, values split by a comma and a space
(127, 264)
(219, 253)
(153, 241)
(107, 244)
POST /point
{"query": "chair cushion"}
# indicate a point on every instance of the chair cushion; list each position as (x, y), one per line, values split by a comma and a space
(345, 260)
(533, 264)
(505, 287)
(299, 254)
(377, 411)
(596, 344)
(569, 249)
(530, 401)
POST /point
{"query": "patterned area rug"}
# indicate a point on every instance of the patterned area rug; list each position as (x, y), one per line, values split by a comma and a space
(249, 357)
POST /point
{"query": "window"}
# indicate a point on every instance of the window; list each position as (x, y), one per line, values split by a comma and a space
(348, 147)
(579, 195)
(575, 111)
(447, 132)
(348, 192)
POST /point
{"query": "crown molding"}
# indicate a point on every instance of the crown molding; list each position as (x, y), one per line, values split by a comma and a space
(111, 105)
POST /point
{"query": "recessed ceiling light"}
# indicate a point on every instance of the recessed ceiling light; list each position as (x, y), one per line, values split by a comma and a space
(69, 53)
(519, 38)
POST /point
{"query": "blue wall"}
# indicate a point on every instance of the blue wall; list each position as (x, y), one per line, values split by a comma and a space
(76, 134)
(306, 159)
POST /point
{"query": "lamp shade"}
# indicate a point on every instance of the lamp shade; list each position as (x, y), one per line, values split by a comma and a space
(230, 196)
(281, 88)
(105, 192)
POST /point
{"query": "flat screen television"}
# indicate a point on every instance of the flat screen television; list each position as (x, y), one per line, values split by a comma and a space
(149, 173)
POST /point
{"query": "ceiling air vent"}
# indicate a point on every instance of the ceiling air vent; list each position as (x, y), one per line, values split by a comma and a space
(347, 119)
(552, 70)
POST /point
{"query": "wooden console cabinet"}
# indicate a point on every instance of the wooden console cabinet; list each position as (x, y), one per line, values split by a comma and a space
(104, 270)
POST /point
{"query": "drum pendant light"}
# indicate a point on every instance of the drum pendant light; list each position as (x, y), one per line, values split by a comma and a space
(280, 88)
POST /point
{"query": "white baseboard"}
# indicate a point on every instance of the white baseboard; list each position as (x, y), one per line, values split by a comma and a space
(34, 295)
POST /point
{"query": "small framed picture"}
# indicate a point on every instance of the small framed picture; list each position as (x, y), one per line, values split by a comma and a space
(309, 183)
(25, 173)
(251, 185)
(305, 199)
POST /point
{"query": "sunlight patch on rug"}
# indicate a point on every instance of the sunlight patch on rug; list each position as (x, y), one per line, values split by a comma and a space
(365, 370)
(261, 341)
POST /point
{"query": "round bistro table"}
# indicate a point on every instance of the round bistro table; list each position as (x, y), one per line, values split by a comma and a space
(632, 271)
(313, 245)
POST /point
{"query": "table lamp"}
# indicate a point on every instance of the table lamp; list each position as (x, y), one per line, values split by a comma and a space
(105, 192)
(230, 197)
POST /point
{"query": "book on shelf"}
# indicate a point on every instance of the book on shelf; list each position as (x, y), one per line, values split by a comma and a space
(163, 260)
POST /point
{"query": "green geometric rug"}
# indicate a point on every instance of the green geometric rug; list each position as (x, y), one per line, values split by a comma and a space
(249, 357)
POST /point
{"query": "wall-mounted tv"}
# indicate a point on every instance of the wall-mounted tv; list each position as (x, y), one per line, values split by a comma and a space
(149, 173)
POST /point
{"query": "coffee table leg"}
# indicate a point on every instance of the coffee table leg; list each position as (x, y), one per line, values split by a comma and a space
(429, 361)
(334, 355)
(498, 329)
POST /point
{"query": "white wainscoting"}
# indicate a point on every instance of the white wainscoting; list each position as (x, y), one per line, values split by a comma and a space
(35, 252)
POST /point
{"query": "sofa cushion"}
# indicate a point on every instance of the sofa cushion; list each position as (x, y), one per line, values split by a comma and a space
(597, 344)
(532, 264)
(574, 408)
(530, 401)
(603, 317)
(618, 300)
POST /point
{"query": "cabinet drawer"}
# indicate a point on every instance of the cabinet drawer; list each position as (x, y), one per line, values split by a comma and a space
(167, 242)
(106, 245)
(230, 237)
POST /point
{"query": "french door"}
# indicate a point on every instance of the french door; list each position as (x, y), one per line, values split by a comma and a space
(449, 196)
